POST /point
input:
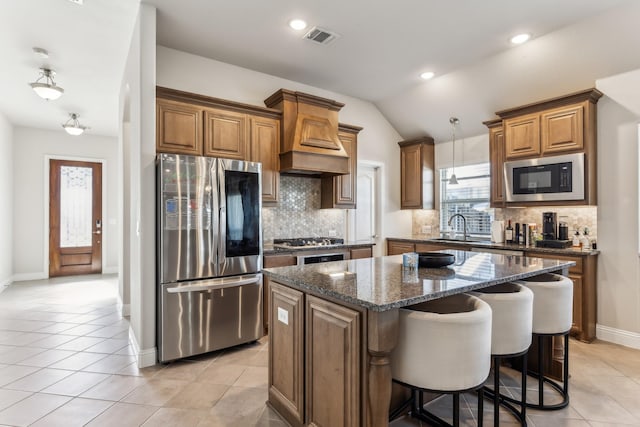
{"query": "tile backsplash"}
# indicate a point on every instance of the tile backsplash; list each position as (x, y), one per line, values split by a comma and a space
(298, 213)
(577, 217)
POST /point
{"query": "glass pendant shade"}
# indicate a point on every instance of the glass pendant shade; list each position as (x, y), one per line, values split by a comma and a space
(454, 121)
(73, 126)
(47, 89)
(453, 180)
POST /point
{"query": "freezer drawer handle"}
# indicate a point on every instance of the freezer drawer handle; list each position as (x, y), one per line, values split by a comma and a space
(196, 288)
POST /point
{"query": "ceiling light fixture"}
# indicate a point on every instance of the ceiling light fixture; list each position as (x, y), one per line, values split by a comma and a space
(520, 38)
(297, 24)
(73, 126)
(48, 89)
(427, 75)
(454, 121)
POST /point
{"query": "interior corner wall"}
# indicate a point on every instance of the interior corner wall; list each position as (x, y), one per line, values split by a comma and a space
(29, 181)
(6, 189)
(139, 85)
(377, 141)
(618, 262)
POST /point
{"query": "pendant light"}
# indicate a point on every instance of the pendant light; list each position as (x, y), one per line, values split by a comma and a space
(454, 121)
(47, 89)
(73, 126)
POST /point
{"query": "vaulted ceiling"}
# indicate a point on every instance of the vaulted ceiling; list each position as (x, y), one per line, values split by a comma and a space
(381, 50)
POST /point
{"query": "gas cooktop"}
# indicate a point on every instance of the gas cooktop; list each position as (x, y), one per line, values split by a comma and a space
(307, 242)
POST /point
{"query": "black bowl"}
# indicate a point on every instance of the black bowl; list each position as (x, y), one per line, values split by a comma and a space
(435, 259)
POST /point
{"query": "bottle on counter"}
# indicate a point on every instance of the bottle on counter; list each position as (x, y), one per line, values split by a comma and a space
(516, 236)
(584, 240)
(576, 240)
(508, 233)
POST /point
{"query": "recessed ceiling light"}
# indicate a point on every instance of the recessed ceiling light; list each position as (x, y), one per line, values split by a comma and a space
(520, 38)
(427, 75)
(80, 2)
(297, 24)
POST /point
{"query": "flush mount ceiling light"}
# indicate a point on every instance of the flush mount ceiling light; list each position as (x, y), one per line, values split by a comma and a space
(454, 121)
(427, 75)
(520, 38)
(297, 24)
(47, 89)
(73, 126)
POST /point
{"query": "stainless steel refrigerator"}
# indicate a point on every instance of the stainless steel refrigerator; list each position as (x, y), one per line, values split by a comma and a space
(209, 254)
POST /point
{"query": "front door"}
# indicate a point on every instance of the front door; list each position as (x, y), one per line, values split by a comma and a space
(75, 218)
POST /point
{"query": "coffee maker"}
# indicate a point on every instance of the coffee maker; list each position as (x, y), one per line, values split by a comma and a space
(549, 226)
(550, 238)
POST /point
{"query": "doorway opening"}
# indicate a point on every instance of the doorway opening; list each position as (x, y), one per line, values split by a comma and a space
(75, 217)
(365, 222)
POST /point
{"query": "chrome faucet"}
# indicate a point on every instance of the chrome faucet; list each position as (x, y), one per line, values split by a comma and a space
(464, 223)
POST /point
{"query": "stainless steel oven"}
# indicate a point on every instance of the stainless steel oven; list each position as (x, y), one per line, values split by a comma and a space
(545, 179)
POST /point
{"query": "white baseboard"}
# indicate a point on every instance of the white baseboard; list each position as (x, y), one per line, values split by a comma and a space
(5, 282)
(29, 276)
(618, 336)
(146, 357)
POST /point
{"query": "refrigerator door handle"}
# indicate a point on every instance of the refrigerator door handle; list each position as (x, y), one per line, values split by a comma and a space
(224, 284)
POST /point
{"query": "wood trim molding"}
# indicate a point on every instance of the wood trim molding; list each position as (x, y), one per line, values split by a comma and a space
(305, 98)
(421, 140)
(592, 95)
(208, 101)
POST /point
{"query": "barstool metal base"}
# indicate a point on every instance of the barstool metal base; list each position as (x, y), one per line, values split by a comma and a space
(500, 399)
(563, 390)
(416, 403)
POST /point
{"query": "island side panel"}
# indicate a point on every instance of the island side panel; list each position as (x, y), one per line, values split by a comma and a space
(286, 353)
(382, 336)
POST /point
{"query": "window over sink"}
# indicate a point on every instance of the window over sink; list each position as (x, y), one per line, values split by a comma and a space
(470, 197)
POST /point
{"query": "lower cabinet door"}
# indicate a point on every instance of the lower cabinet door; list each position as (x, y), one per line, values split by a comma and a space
(332, 366)
(286, 358)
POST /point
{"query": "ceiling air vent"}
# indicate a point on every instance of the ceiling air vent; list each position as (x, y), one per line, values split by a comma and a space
(321, 36)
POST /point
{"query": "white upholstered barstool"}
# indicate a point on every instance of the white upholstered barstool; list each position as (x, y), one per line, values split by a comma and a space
(552, 315)
(512, 308)
(444, 346)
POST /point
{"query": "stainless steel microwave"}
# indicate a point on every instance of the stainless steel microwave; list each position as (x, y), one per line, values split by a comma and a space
(545, 178)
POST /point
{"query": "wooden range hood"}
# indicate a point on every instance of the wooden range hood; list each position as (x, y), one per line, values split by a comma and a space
(309, 141)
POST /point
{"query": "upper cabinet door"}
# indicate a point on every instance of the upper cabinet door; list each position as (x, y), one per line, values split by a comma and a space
(496, 157)
(179, 127)
(265, 139)
(562, 129)
(225, 134)
(339, 192)
(522, 136)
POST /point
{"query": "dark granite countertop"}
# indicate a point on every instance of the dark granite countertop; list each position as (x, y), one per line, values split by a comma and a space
(487, 244)
(381, 284)
(271, 250)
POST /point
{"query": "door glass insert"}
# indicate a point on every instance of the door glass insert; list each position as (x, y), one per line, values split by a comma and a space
(76, 205)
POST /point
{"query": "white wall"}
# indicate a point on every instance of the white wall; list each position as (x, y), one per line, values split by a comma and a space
(618, 263)
(6, 189)
(137, 103)
(30, 242)
(377, 141)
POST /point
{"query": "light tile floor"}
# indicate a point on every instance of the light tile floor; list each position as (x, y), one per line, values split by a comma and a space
(65, 360)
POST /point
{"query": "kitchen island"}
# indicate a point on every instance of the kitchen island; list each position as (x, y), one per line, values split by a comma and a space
(334, 326)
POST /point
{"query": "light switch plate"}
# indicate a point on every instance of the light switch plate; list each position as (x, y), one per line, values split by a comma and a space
(283, 315)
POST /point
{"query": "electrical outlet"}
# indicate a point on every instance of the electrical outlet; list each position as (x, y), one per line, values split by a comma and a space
(426, 229)
(332, 233)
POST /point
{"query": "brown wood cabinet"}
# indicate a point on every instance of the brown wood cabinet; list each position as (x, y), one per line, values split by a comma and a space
(395, 247)
(562, 125)
(522, 136)
(332, 383)
(178, 127)
(305, 385)
(496, 159)
(265, 135)
(358, 253)
(272, 261)
(340, 191)
(226, 134)
(198, 125)
(286, 353)
(417, 173)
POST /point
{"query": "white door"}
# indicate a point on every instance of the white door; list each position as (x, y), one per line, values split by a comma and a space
(364, 221)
